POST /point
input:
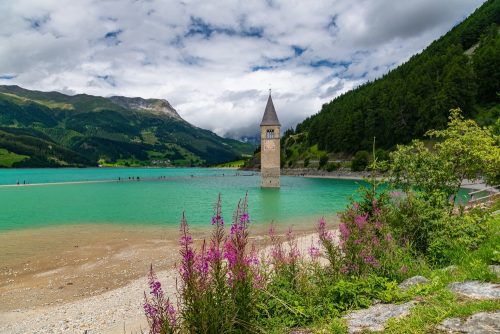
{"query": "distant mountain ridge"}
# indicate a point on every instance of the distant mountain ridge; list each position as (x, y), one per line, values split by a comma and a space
(157, 106)
(50, 129)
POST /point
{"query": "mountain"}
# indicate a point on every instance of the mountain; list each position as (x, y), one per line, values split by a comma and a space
(42, 129)
(460, 69)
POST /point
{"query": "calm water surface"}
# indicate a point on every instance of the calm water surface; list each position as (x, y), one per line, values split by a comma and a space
(160, 197)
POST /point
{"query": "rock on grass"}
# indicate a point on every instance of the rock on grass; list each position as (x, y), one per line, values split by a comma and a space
(479, 323)
(476, 290)
(375, 317)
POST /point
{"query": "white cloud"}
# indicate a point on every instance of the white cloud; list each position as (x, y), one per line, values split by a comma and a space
(214, 61)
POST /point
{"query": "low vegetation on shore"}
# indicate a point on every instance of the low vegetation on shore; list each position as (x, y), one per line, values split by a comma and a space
(394, 229)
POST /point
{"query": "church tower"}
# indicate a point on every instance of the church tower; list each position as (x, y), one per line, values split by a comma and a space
(270, 147)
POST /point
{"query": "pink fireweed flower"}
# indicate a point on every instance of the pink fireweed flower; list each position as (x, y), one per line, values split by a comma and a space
(230, 254)
(357, 241)
(344, 231)
(213, 255)
(369, 259)
(158, 310)
(388, 237)
(185, 240)
(186, 267)
(235, 229)
(201, 264)
(150, 310)
(217, 220)
(172, 314)
(375, 241)
(244, 218)
(154, 284)
(324, 234)
(314, 252)
(361, 220)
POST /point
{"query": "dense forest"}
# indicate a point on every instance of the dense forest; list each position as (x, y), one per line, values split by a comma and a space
(461, 69)
(49, 129)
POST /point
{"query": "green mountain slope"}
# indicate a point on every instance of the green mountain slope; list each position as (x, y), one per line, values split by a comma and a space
(461, 69)
(40, 129)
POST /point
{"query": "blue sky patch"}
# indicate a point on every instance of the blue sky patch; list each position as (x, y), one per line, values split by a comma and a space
(328, 63)
(7, 76)
(109, 79)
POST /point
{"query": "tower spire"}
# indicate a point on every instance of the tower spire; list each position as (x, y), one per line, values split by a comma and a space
(270, 117)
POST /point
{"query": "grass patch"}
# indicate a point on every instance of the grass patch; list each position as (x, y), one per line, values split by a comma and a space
(231, 164)
(7, 159)
(432, 310)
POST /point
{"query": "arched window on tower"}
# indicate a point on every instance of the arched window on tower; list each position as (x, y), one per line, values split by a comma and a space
(270, 134)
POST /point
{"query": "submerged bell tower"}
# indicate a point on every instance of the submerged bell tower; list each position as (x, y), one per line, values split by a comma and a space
(270, 147)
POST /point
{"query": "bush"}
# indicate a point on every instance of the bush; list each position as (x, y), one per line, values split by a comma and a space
(306, 162)
(360, 161)
(453, 237)
(330, 167)
(323, 160)
(381, 155)
(432, 232)
(411, 220)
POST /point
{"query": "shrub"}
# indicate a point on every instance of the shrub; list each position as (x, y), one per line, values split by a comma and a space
(432, 232)
(453, 237)
(323, 160)
(360, 161)
(330, 167)
(381, 155)
(463, 151)
(306, 162)
(411, 219)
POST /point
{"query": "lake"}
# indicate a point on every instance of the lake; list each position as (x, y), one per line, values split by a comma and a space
(53, 197)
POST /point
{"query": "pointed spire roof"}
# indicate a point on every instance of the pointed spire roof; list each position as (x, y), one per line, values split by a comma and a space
(270, 117)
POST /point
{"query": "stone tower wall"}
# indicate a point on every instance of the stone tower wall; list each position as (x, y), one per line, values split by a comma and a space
(270, 157)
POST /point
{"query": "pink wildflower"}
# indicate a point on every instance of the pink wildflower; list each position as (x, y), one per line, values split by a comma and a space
(361, 220)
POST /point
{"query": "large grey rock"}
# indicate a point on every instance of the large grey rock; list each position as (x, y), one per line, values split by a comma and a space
(412, 281)
(479, 323)
(375, 317)
(476, 290)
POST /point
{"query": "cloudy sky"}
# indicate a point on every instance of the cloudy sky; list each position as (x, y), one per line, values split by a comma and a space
(215, 61)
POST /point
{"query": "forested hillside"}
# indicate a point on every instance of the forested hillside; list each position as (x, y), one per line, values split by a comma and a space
(461, 69)
(40, 129)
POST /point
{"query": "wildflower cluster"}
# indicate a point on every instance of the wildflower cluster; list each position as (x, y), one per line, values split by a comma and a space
(284, 253)
(364, 239)
(218, 280)
(160, 313)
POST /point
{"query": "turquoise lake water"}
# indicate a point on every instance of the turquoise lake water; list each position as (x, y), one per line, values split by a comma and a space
(160, 197)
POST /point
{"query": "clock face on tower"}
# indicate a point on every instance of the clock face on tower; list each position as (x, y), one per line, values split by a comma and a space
(269, 145)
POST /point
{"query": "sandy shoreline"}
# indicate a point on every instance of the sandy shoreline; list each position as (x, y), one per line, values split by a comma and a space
(89, 277)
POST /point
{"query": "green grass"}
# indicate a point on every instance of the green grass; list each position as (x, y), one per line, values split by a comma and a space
(435, 308)
(231, 164)
(47, 103)
(7, 159)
